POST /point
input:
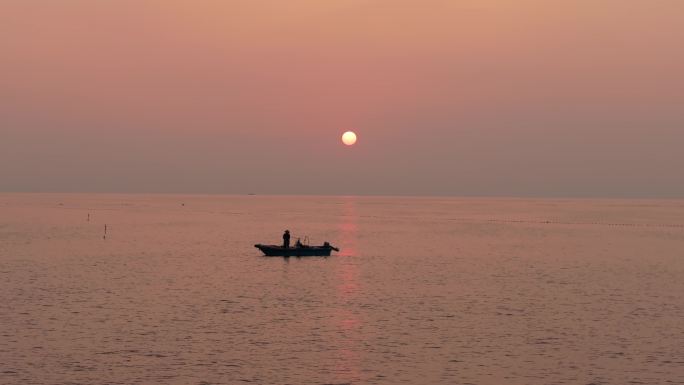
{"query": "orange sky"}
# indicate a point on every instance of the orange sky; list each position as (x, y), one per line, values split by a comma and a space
(565, 98)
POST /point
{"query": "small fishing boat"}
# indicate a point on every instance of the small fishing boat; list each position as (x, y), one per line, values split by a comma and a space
(297, 251)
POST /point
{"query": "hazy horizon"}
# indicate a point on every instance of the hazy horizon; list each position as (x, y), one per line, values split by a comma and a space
(367, 195)
(475, 98)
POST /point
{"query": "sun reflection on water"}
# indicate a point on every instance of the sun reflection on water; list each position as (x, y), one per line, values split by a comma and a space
(347, 322)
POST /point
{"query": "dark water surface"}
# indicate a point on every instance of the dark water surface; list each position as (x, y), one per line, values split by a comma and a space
(424, 291)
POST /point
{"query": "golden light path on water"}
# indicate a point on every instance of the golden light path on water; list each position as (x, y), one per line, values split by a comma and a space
(345, 319)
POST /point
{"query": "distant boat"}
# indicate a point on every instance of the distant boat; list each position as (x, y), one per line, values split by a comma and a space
(297, 251)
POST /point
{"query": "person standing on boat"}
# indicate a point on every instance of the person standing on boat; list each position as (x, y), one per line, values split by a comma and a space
(286, 239)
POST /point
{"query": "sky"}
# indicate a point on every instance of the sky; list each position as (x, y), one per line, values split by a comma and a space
(567, 98)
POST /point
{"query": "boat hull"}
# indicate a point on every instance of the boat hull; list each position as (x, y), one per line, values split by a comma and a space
(305, 251)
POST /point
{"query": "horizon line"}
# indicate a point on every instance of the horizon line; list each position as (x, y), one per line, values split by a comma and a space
(378, 195)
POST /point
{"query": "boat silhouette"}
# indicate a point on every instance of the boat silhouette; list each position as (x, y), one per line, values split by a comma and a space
(297, 251)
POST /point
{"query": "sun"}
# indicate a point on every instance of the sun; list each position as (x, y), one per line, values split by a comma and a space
(349, 138)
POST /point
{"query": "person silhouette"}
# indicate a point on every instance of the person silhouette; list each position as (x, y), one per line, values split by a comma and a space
(286, 239)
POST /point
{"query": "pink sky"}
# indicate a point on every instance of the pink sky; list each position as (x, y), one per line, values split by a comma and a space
(487, 97)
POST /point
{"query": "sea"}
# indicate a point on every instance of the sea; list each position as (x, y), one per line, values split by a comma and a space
(424, 290)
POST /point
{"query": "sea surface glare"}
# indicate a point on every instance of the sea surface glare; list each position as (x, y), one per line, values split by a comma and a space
(423, 291)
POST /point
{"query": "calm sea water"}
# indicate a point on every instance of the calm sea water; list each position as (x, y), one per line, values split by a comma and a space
(424, 291)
